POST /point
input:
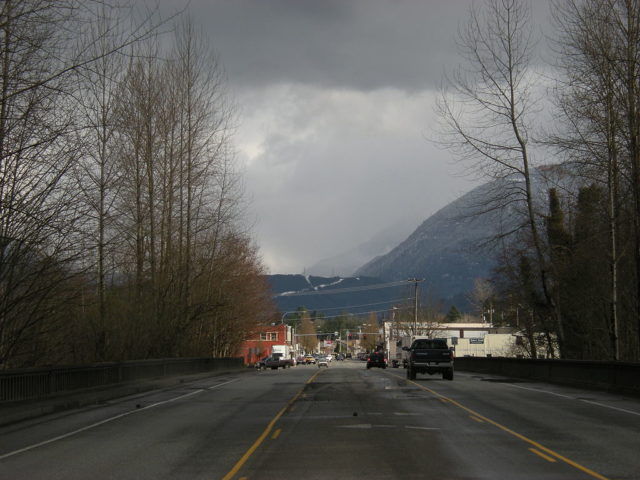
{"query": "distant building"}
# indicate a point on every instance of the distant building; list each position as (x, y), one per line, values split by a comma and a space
(260, 342)
(468, 339)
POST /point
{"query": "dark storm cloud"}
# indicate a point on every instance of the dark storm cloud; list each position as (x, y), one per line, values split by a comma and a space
(335, 98)
(359, 44)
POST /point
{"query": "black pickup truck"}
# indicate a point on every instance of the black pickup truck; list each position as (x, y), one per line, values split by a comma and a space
(429, 355)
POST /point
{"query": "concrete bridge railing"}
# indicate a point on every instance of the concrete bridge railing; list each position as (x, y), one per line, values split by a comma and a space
(614, 376)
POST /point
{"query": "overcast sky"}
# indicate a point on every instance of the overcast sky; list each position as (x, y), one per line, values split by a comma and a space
(335, 104)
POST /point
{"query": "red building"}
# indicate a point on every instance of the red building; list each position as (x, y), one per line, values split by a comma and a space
(259, 344)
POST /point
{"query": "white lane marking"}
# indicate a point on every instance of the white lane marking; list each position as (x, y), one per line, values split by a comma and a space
(107, 420)
(407, 414)
(368, 426)
(539, 391)
(221, 384)
(612, 408)
(578, 399)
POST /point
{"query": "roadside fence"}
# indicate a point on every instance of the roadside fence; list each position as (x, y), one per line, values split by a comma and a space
(36, 383)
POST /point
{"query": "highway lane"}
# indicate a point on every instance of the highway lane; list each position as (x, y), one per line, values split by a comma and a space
(376, 423)
(197, 431)
(344, 421)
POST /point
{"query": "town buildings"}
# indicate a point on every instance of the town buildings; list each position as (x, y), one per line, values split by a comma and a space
(260, 342)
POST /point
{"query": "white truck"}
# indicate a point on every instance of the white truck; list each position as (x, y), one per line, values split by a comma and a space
(283, 350)
(284, 353)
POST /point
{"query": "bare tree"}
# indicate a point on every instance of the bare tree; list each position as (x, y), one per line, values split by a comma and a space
(309, 340)
(181, 199)
(97, 173)
(120, 206)
(488, 114)
(482, 297)
(37, 209)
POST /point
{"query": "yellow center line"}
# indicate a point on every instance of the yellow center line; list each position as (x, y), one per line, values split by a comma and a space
(276, 434)
(473, 417)
(542, 455)
(537, 445)
(239, 464)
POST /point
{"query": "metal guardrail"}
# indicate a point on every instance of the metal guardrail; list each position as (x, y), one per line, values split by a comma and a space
(614, 376)
(35, 383)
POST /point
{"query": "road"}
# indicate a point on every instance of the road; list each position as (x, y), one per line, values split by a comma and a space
(341, 422)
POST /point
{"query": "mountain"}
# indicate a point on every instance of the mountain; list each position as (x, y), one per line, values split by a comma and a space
(335, 295)
(451, 248)
(348, 262)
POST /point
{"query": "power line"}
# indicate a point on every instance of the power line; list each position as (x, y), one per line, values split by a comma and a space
(365, 313)
(338, 291)
(356, 306)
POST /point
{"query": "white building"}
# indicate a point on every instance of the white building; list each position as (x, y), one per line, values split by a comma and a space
(468, 339)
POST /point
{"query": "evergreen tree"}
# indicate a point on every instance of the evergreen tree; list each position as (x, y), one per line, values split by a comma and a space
(454, 315)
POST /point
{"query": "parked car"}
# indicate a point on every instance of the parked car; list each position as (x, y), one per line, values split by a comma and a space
(377, 359)
(309, 359)
(339, 356)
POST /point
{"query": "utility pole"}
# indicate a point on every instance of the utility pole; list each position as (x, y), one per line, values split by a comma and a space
(415, 281)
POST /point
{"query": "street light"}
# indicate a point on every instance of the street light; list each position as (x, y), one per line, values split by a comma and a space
(285, 314)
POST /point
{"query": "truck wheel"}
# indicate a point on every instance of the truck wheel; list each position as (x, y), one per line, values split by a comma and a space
(411, 374)
(448, 375)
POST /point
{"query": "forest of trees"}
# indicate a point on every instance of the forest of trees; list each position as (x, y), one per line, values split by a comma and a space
(569, 274)
(121, 210)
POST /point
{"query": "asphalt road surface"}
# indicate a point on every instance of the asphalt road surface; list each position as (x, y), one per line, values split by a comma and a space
(341, 422)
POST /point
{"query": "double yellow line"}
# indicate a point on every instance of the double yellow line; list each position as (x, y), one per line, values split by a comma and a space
(240, 463)
(538, 449)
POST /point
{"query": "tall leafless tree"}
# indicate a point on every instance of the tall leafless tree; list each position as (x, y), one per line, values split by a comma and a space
(488, 114)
